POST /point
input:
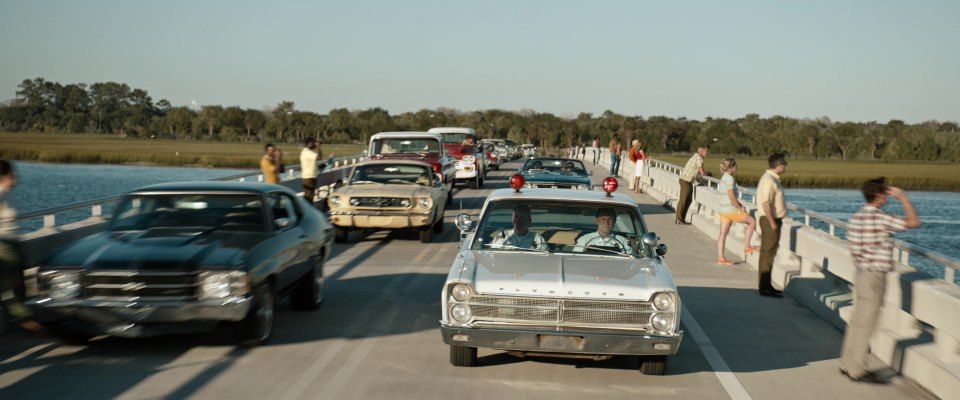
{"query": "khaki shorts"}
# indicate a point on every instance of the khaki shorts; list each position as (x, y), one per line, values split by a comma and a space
(736, 216)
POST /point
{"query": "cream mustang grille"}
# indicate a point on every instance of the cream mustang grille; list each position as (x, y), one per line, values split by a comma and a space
(558, 311)
(155, 285)
(554, 185)
(380, 202)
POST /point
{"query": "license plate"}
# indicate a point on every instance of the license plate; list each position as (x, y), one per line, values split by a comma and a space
(560, 343)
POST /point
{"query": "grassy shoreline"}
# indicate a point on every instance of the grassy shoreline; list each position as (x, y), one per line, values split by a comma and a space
(105, 149)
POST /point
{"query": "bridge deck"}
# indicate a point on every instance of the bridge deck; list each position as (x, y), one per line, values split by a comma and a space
(376, 337)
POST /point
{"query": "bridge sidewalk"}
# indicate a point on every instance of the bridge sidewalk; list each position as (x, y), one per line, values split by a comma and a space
(758, 347)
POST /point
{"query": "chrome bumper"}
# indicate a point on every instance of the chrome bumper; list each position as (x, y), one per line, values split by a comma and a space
(381, 219)
(112, 316)
(561, 342)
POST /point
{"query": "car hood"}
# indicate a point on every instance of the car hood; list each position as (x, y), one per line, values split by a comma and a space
(158, 249)
(548, 177)
(566, 275)
(384, 190)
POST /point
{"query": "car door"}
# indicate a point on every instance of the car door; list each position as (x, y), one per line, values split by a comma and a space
(291, 240)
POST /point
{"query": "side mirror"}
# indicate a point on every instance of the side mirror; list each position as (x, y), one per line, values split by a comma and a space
(463, 223)
(282, 222)
(650, 239)
(661, 249)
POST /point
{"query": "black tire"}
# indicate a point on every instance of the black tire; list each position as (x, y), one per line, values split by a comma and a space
(309, 292)
(426, 235)
(653, 365)
(438, 226)
(450, 196)
(463, 356)
(475, 183)
(257, 327)
(341, 235)
(70, 337)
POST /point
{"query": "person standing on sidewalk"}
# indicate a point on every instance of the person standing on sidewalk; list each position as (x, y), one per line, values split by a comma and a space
(691, 173)
(870, 240)
(596, 150)
(771, 209)
(11, 263)
(308, 168)
(271, 164)
(615, 150)
(732, 211)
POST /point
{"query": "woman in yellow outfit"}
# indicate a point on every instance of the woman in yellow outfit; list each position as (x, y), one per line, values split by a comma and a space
(731, 210)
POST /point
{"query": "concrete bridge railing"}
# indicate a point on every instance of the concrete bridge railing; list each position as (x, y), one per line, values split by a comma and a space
(919, 329)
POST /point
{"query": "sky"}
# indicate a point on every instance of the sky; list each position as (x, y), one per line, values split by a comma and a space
(848, 60)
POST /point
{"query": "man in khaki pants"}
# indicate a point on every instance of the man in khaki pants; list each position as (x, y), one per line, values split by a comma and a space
(771, 209)
(869, 237)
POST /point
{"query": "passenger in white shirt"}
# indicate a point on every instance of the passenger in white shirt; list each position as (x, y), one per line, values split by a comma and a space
(308, 168)
(519, 236)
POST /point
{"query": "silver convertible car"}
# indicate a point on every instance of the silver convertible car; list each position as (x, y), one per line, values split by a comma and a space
(554, 272)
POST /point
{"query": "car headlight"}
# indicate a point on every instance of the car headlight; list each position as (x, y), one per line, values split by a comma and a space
(354, 202)
(663, 301)
(469, 159)
(661, 322)
(583, 187)
(404, 203)
(423, 203)
(60, 284)
(223, 284)
(461, 312)
(336, 201)
(460, 292)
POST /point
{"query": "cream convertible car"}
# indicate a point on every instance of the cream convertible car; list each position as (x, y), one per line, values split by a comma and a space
(389, 194)
(585, 280)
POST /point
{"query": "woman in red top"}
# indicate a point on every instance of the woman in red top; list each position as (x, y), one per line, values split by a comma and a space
(637, 156)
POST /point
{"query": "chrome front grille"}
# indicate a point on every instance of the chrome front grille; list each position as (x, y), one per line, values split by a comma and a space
(380, 202)
(553, 185)
(559, 311)
(153, 285)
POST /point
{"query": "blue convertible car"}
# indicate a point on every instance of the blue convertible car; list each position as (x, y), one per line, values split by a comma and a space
(561, 173)
(185, 257)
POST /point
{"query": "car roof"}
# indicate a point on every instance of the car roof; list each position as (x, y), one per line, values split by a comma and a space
(213, 186)
(590, 196)
(418, 135)
(447, 129)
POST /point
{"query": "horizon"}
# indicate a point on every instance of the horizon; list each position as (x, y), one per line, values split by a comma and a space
(857, 61)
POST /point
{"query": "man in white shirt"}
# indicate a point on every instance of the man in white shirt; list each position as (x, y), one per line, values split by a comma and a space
(604, 236)
(520, 236)
(308, 168)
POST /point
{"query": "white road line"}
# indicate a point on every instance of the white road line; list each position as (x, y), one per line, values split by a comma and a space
(720, 367)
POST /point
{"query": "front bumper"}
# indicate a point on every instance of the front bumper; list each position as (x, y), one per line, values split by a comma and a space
(561, 342)
(466, 174)
(381, 219)
(138, 318)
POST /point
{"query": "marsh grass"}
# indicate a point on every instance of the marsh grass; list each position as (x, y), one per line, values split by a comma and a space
(835, 174)
(104, 149)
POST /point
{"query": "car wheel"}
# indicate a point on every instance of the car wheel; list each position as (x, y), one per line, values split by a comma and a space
(257, 327)
(341, 235)
(426, 235)
(438, 226)
(70, 337)
(450, 197)
(309, 292)
(463, 356)
(653, 365)
(475, 183)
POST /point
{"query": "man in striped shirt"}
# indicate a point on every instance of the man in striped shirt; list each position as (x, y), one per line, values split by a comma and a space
(869, 237)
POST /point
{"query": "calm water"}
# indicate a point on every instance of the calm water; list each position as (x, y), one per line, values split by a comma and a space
(51, 185)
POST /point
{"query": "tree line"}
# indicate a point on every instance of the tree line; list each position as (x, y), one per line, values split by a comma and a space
(116, 108)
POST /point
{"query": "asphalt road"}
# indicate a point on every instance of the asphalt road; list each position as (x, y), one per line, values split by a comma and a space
(377, 337)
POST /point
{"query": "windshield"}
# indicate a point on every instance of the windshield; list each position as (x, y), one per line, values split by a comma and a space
(405, 146)
(391, 173)
(561, 227)
(556, 166)
(241, 212)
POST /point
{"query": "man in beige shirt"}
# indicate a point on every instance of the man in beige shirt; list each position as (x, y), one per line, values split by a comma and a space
(691, 173)
(771, 209)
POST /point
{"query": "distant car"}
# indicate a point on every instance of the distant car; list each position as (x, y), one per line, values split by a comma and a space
(559, 173)
(186, 257)
(528, 150)
(471, 166)
(389, 194)
(572, 292)
(422, 146)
